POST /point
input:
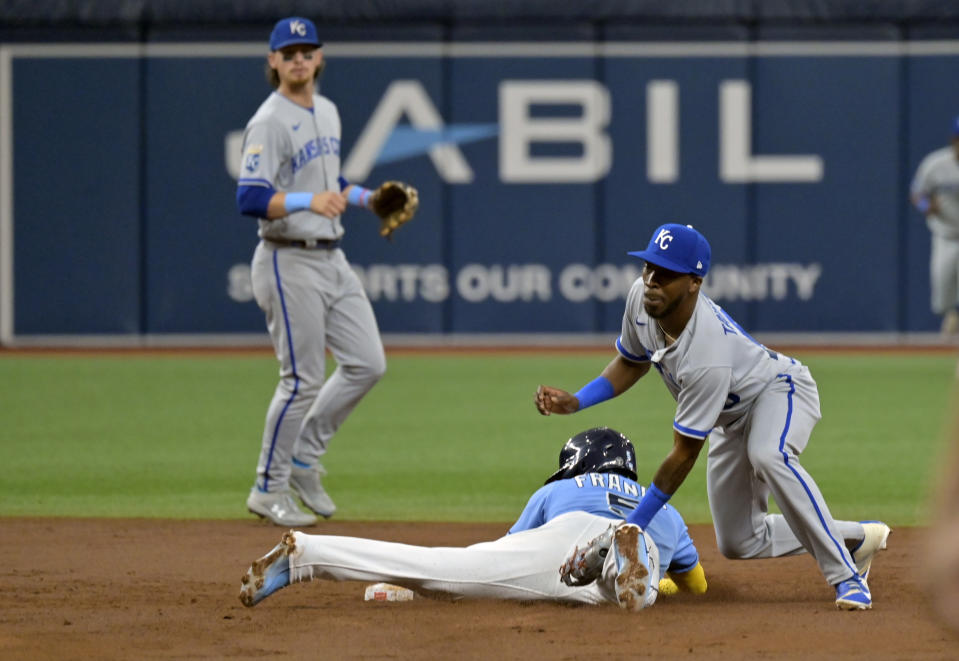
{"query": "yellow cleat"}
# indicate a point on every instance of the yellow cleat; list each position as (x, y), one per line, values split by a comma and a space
(693, 581)
(667, 587)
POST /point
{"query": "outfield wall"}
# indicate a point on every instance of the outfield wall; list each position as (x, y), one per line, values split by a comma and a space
(539, 161)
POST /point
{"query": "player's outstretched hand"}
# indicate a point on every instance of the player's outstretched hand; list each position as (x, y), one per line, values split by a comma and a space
(553, 400)
(329, 204)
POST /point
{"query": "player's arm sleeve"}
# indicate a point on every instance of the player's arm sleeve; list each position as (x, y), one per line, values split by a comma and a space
(686, 556)
(701, 401)
(355, 194)
(253, 200)
(263, 146)
(534, 514)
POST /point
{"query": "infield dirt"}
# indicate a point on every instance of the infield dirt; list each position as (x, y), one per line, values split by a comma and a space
(163, 589)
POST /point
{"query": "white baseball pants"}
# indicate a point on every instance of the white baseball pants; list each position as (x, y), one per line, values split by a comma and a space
(522, 566)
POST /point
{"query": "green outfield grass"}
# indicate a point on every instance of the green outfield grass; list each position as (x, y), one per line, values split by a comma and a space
(442, 437)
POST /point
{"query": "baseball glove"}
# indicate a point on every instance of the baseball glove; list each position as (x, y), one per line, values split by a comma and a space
(396, 204)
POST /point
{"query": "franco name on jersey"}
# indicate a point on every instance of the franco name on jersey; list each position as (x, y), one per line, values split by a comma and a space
(611, 481)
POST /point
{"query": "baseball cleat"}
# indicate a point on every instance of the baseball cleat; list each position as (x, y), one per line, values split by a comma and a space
(583, 567)
(877, 533)
(632, 573)
(278, 508)
(950, 323)
(306, 483)
(853, 595)
(667, 587)
(268, 574)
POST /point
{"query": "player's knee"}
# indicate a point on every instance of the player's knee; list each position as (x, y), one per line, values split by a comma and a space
(376, 368)
(765, 462)
(736, 549)
(369, 371)
(298, 384)
(728, 548)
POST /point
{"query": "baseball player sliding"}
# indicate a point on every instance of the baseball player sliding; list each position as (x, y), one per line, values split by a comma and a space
(312, 298)
(756, 407)
(935, 193)
(589, 494)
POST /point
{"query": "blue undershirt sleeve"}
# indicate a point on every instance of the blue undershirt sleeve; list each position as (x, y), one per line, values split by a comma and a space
(253, 200)
(648, 507)
(598, 390)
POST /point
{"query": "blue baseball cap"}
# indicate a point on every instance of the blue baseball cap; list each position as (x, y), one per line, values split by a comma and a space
(293, 30)
(955, 127)
(678, 248)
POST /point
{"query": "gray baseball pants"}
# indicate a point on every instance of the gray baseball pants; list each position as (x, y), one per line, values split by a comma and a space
(313, 301)
(761, 458)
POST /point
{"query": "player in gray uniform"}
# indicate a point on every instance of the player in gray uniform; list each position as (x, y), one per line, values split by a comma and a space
(756, 407)
(313, 300)
(935, 192)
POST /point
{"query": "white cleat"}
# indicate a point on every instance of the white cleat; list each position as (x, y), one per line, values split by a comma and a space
(306, 483)
(877, 533)
(279, 508)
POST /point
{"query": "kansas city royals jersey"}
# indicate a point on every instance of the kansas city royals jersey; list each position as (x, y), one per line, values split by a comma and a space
(294, 149)
(612, 496)
(938, 174)
(714, 369)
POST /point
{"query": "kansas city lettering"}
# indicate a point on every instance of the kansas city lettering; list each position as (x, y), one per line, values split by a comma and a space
(321, 146)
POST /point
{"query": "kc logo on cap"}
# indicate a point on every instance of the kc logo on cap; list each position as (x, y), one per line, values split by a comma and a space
(293, 30)
(297, 27)
(663, 239)
(679, 248)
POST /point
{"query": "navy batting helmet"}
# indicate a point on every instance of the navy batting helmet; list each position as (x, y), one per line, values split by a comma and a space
(596, 450)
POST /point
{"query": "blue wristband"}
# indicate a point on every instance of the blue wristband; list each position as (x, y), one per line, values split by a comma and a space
(359, 196)
(297, 201)
(923, 204)
(652, 502)
(598, 390)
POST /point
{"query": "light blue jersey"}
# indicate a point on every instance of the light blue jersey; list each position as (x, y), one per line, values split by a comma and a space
(612, 496)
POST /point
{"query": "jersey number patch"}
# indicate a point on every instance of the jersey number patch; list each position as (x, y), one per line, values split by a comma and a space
(620, 505)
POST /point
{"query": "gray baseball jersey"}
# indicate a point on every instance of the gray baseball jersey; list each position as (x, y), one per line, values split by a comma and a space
(292, 149)
(938, 174)
(312, 298)
(715, 370)
(757, 408)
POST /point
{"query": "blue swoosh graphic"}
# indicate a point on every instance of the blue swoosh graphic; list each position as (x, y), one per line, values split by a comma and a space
(406, 141)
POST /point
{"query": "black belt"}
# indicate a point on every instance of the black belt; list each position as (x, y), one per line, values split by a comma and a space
(320, 244)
